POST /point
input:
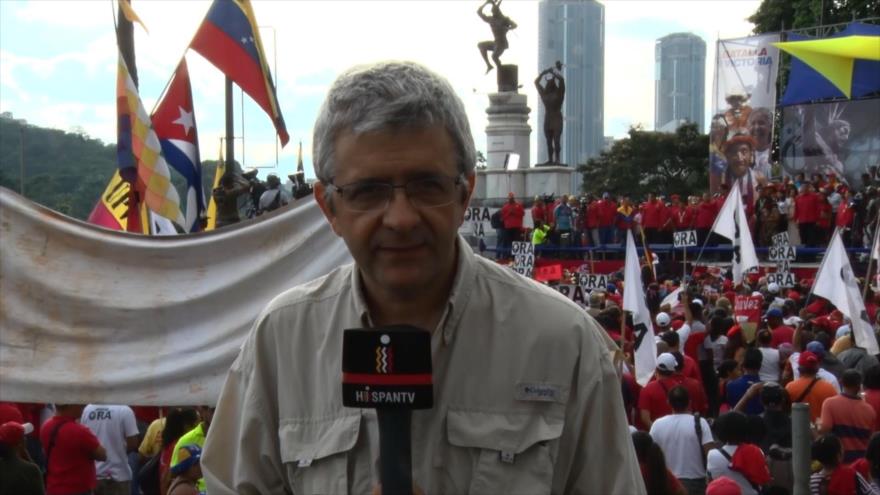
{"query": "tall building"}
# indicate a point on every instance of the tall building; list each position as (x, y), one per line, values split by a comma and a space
(573, 32)
(679, 81)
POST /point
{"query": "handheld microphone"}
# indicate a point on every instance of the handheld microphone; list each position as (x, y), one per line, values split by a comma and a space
(389, 369)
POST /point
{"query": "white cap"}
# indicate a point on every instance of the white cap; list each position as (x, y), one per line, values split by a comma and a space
(756, 293)
(698, 302)
(793, 321)
(663, 319)
(773, 287)
(842, 331)
(666, 362)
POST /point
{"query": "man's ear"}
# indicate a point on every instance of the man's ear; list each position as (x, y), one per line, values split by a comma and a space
(325, 202)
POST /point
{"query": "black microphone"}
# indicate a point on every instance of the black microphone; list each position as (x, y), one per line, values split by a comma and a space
(389, 369)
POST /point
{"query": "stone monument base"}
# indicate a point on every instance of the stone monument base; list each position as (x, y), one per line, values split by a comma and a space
(525, 184)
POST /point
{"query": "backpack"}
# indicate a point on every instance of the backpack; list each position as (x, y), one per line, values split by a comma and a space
(496, 221)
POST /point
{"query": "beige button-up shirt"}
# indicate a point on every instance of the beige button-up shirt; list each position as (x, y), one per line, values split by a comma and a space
(526, 398)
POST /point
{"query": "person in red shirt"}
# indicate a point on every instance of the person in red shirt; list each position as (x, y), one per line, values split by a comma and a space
(591, 220)
(845, 216)
(806, 207)
(689, 366)
(512, 214)
(706, 212)
(653, 214)
(607, 211)
(849, 417)
(653, 403)
(825, 219)
(71, 451)
(781, 334)
(539, 213)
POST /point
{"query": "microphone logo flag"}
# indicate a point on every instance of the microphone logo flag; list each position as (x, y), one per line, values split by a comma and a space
(388, 367)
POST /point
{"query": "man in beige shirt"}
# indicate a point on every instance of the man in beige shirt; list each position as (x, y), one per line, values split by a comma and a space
(526, 398)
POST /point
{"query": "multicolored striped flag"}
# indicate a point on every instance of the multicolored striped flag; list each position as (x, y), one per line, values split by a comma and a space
(139, 153)
(229, 39)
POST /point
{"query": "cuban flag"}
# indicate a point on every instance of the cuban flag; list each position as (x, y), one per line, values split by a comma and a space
(175, 125)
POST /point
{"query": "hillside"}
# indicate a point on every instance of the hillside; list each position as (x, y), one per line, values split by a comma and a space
(66, 171)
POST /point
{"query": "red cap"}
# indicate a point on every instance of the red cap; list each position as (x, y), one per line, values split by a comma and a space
(9, 412)
(836, 315)
(794, 295)
(676, 324)
(11, 432)
(723, 485)
(808, 360)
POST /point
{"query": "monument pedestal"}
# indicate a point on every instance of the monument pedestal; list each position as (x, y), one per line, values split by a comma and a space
(508, 131)
(524, 183)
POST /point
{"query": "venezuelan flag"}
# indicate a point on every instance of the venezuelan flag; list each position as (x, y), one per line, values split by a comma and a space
(229, 39)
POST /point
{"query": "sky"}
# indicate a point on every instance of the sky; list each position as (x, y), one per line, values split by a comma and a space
(58, 60)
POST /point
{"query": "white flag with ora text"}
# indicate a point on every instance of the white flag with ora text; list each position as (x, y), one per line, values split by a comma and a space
(733, 224)
(645, 347)
(837, 283)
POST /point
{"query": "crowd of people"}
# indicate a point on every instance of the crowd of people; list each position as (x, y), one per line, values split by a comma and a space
(716, 416)
(808, 209)
(63, 449)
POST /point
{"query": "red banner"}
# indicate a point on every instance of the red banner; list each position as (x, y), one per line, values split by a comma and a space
(548, 272)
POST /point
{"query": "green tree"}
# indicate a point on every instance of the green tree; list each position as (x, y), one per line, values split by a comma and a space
(651, 162)
(773, 15)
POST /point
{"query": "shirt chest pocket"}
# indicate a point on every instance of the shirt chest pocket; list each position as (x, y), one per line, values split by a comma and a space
(504, 452)
(317, 453)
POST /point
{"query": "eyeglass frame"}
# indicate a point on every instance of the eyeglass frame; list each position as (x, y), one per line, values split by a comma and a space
(457, 180)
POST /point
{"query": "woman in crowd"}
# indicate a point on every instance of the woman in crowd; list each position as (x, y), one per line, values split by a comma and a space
(658, 479)
(180, 420)
(835, 478)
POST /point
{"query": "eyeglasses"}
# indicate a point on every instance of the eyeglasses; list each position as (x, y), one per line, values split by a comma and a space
(428, 192)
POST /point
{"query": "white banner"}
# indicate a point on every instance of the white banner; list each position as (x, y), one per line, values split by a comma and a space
(95, 315)
(743, 103)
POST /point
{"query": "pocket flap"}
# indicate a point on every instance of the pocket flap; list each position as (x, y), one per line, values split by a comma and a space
(504, 432)
(308, 439)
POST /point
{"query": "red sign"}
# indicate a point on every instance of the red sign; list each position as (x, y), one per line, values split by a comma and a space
(748, 307)
(548, 272)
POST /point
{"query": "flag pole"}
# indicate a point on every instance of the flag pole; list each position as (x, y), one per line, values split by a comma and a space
(230, 128)
(711, 230)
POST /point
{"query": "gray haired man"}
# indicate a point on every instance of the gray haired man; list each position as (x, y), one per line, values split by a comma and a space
(526, 398)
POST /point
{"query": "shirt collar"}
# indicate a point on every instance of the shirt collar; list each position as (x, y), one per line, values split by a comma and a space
(456, 302)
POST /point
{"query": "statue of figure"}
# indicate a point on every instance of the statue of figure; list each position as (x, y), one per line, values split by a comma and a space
(552, 94)
(500, 25)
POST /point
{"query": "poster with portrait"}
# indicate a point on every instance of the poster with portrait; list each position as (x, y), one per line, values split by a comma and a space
(840, 138)
(743, 102)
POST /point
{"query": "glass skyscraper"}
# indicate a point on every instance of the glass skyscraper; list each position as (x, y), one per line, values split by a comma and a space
(573, 32)
(679, 81)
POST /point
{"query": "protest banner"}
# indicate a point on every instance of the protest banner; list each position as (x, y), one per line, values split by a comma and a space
(593, 281)
(574, 292)
(523, 258)
(748, 314)
(743, 102)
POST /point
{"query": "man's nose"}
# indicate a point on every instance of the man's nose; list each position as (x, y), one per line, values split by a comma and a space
(400, 214)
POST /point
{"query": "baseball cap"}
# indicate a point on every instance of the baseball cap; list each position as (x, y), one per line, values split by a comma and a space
(816, 348)
(11, 432)
(723, 485)
(773, 313)
(808, 360)
(187, 456)
(793, 321)
(842, 331)
(666, 362)
(698, 302)
(663, 319)
(773, 288)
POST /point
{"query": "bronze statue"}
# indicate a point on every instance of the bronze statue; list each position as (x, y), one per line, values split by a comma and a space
(500, 25)
(552, 94)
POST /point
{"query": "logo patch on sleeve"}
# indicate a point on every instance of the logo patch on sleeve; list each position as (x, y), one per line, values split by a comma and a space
(541, 392)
